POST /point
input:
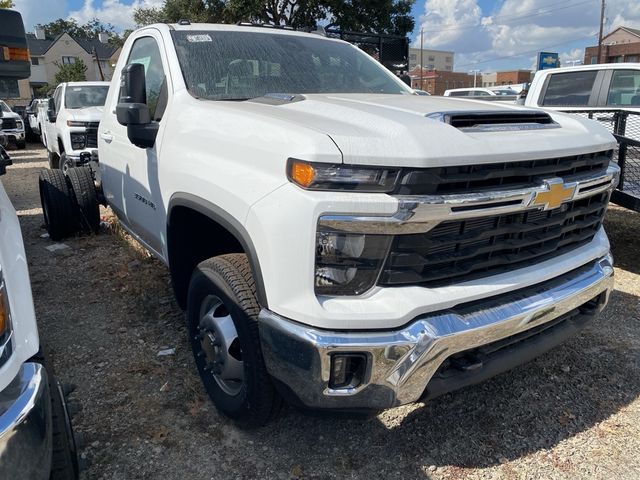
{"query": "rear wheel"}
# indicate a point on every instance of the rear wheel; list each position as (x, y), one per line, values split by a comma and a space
(86, 197)
(222, 311)
(58, 207)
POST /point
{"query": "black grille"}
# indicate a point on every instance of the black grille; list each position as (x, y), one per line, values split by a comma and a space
(464, 178)
(92, 135)
(490, 245)
(8, 123)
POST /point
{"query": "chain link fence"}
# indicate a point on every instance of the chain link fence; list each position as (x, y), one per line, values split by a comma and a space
(625, 126)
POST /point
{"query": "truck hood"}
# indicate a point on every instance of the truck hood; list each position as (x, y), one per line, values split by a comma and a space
(87, 114)
(10, 115)
(400, 130)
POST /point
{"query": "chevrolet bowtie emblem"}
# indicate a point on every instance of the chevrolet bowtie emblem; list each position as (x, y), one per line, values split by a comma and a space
(556, 195)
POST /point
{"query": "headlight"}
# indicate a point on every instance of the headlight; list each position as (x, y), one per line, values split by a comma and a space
(348, 264)
(78, 141)
(327, 176)
(74, 123)
(19, 124)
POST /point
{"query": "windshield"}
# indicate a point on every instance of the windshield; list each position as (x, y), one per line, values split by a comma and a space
(85, 96)
(4, 107)
(223, 65)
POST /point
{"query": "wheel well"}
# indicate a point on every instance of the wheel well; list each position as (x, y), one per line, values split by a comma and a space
(191, 238)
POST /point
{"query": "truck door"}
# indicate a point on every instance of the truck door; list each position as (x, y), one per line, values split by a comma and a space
(131, 173)
(51, 134)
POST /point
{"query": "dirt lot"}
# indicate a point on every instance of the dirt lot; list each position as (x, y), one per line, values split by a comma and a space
(105, 310)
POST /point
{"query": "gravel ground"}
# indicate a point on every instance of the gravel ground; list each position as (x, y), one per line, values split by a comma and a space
(105, 310)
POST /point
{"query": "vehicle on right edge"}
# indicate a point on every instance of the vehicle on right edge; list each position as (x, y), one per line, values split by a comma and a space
(605, 86)
(335, 239)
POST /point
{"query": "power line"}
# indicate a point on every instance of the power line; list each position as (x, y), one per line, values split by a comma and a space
(510, 18)
(525, 53)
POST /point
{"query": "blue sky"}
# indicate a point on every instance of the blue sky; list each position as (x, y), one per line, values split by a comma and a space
(486, 35)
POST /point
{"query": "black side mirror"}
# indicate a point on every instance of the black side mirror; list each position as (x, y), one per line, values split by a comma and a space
(132, 109)
(51, 110)
(5, 160)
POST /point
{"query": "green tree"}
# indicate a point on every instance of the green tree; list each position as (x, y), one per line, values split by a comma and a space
(6, 4)
(380, 16)
(91, 29)
(71, 72)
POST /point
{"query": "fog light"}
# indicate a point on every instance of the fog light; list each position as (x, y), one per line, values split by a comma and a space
(347, 370)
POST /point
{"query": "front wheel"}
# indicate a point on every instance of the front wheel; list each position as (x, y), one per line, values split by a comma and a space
(21, 144)
(222, 312)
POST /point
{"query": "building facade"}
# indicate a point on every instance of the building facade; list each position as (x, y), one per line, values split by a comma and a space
(433, 59)
(436, 82)
(621, 45)
(47, 53)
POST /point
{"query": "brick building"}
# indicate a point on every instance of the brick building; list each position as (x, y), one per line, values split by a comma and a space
(621, 45)
(436, 82)
(513, 77)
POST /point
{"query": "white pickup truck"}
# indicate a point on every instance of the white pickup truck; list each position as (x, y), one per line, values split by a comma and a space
(335, 239)
(71, 124)
(11, 126)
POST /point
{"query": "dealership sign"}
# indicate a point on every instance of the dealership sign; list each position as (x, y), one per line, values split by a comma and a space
(548, 60)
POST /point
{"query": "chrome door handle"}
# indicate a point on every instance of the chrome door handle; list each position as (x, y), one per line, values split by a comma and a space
(107, 137)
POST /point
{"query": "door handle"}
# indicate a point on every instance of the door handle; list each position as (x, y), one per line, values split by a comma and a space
(106, 136)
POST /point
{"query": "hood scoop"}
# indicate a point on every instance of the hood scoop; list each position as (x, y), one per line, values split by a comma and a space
(496, 121)
(278, 98)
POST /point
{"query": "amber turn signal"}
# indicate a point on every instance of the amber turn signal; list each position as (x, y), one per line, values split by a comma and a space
(302, 173)
(16, 54)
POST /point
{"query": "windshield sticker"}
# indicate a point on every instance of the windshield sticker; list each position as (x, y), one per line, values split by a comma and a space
(199, 38)
(144, 61)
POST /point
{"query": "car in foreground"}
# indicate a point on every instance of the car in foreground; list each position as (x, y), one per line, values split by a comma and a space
(36, 439)
(336, 241)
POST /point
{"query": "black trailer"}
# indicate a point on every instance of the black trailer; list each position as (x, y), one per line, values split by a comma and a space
(625, 126)
(392, 51)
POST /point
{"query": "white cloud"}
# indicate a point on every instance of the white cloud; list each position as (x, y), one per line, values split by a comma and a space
(115, 12)
(39, 11)
(517, 28)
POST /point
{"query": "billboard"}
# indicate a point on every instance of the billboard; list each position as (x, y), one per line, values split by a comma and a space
(548, 60)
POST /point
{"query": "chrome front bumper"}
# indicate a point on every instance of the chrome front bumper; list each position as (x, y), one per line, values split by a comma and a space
(25, 425)
(401, 363)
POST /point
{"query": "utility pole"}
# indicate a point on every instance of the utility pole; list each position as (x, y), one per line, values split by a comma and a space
(421, 58)
(475, 76)
(600, 34)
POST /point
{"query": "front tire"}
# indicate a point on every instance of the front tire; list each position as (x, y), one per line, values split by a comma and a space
(222, 304)
(21, 144)
(65, 163)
